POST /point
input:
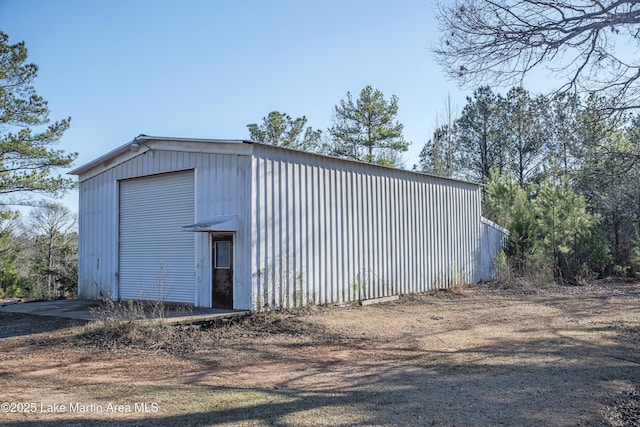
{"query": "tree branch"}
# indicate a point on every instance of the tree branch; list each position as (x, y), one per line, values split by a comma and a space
(498, 41)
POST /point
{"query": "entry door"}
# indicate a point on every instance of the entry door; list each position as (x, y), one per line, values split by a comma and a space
(222, 269)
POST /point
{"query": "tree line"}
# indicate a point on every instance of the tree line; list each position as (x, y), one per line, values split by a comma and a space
(365, 129)
(38, 254)
(557, 171)
(561, 170)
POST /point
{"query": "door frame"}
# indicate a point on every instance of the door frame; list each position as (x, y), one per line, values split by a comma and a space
(222, 236)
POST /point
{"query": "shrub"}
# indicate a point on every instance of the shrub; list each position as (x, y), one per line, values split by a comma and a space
(552, 233)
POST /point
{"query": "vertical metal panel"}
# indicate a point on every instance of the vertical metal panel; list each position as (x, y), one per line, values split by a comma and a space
(292, 217)
(402, 231)
(356, 231)
(320, 290)
(351, 237)
(423, 274)
(257, 225)
(432, 235)
(384, 223)
(360, 253)
(410, 248)
(278, 237)
(397, 243)
(324, 229)
(492, 241)
(341, 255)
(271, 242)
(221, 184)
(368, 234)
(315, 256)
(337, 234)
(418, 254)
(289, 250)
(95, 223)
(379, 264)
(331, 226)
(456, 241)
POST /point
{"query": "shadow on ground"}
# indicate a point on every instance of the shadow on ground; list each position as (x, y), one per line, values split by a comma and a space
(21, 324)
(575, 373)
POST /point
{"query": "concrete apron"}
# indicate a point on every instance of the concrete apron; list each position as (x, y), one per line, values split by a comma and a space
(89, 310)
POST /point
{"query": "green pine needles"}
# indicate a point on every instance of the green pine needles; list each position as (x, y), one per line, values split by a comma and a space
(28, 159)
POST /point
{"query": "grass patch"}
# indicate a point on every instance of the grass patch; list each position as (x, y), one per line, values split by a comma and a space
(122, 325)
(148, 335)
(139, 325)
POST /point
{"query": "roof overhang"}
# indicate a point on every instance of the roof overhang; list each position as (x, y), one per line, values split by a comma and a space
(216, 223)
(145, 143)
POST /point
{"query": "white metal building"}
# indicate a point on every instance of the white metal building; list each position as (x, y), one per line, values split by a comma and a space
(243, 225)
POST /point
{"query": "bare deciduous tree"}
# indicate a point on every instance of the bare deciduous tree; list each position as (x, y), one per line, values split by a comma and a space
(53, 236)
(590, 45)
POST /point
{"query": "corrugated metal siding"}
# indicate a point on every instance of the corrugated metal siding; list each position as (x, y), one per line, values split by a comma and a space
(492, 241)
(310, 228)
(327, 231)
(96, 227)
(156, 258)
(217, 193)
(221, 188)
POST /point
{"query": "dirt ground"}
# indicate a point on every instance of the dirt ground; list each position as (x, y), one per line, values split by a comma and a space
(482, 355)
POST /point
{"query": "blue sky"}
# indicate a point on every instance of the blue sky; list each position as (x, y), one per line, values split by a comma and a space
(208, 68)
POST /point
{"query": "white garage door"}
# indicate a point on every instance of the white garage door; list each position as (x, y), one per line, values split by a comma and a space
(156, 258)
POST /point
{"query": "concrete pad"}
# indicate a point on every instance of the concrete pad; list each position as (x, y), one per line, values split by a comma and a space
(70, 308)
(83, 309)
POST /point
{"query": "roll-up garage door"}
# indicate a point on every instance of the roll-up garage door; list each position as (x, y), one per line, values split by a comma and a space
(156, 258)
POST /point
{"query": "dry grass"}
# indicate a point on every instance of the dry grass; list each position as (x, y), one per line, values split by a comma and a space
(492, 354)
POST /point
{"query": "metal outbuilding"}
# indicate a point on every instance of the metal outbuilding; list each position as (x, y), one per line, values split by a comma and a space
(243, 225)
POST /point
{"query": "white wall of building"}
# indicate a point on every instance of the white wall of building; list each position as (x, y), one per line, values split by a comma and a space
(327, 230)
(221, 172)
(307, 228)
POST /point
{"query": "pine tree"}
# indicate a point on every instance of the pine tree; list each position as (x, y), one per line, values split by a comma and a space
(280, 129)
(367, 130)
(479, 135)
(28, 159)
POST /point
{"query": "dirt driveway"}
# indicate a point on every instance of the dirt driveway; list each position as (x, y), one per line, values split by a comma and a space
(493, 355)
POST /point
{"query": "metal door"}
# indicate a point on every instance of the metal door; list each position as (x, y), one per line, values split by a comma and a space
(222, 271)
(156, 259)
